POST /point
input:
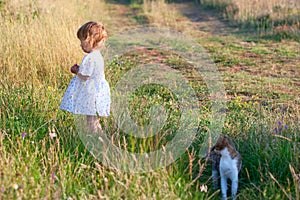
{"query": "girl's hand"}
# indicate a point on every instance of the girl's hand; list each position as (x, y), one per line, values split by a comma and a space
(75, 69)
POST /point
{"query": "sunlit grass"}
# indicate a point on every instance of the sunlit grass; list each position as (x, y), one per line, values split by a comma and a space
(243, 10)
(42, 156)
(39, 40)
(279, 18)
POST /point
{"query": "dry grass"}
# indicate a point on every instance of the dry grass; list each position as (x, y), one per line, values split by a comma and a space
(251, 9)
(161, 14)
(39, 39)
(277, 9)
(282, 17)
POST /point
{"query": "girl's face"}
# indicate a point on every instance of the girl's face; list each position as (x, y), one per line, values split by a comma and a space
(86, 47)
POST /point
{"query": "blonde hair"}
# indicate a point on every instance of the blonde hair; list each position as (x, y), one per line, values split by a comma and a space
(92, 32)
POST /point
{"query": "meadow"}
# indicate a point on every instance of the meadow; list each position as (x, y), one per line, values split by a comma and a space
(41, 154)
(277, 18)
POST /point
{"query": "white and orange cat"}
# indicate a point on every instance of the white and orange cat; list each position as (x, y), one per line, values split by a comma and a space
(226, 162)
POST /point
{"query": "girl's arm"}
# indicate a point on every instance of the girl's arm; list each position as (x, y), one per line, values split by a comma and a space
(85, 78)
(75, 69)
(86, 68)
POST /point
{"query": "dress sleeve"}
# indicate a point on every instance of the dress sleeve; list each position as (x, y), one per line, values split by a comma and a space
(87, 66)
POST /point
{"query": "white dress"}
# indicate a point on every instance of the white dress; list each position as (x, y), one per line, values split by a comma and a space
(91, 97)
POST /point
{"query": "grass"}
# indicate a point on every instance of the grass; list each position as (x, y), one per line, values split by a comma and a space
(42, 156)
(275, 19)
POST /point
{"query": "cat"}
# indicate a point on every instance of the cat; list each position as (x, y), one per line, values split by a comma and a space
(226, 162)
(214, 158)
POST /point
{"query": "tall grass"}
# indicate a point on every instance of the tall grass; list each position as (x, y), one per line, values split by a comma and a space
(244, 10)
(39, 39)
(42, 156)
(280, 17)
(164, 16)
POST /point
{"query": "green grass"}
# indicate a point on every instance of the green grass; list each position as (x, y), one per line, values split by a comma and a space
(262, 115)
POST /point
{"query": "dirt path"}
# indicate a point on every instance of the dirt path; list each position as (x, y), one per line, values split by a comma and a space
(119, 18)
(265, 67)
(204, 20)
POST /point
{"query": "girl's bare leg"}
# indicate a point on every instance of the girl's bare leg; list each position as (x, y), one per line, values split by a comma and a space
(93, 123)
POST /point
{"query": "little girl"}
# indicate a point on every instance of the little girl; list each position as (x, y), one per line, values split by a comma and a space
(89, 92)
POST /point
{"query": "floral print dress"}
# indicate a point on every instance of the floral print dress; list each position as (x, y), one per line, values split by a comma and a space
(90, 97)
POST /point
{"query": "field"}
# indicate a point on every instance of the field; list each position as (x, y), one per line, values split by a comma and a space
(256, 53)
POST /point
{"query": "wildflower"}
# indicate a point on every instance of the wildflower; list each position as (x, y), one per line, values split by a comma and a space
(20, 187)
(15, 186)
(265, 104)
(203, 188)
(53, 178)
(280, 127)
(3, 189)
(52, 135)
(23, 135)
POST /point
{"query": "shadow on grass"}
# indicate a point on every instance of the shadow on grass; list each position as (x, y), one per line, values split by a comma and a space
(124, 2)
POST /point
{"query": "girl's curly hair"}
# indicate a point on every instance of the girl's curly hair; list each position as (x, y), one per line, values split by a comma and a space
(92, 32)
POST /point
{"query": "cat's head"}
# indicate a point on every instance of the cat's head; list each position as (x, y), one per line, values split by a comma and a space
(222, 142)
